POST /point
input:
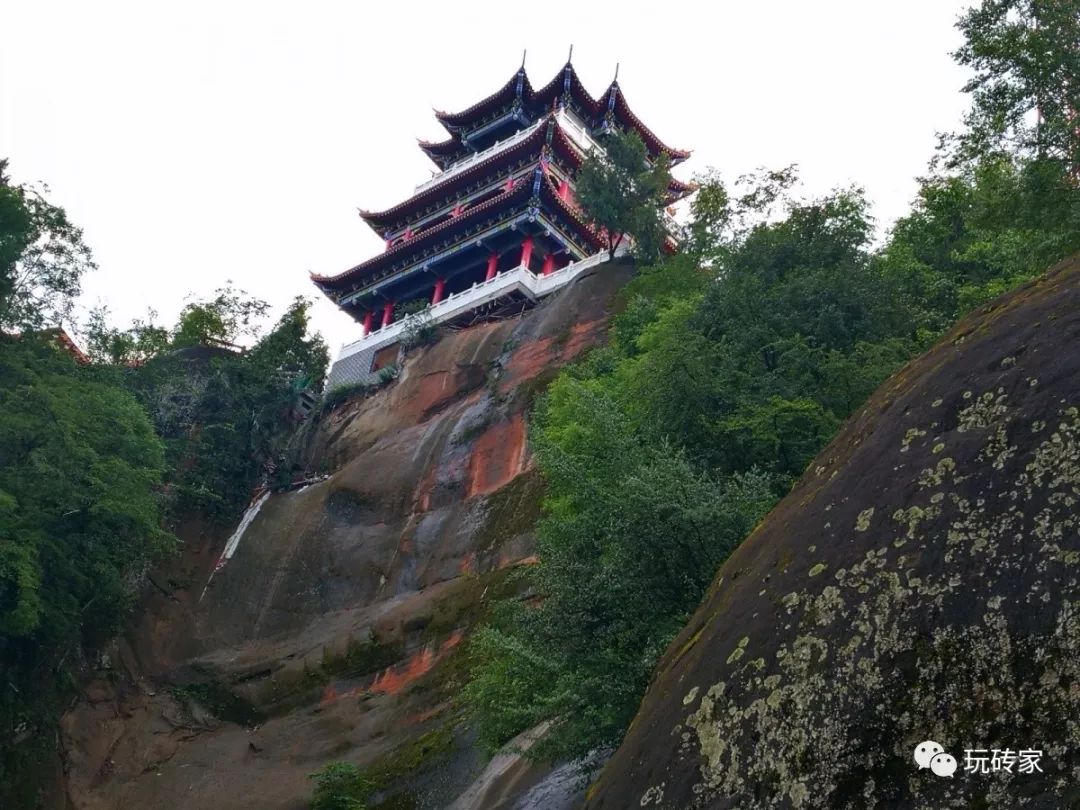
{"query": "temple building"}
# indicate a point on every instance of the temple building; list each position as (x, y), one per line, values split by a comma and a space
(497, 228)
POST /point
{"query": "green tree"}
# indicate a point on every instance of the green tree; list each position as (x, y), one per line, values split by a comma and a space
(622, 191)
(227, 416)
(341, 786)
(226, 318)
(1026, 88)
(80, 520)
(132, 346)
(630, 537)
(42, 258)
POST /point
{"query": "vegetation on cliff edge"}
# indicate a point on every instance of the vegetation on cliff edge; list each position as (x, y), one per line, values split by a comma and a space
(735, 362)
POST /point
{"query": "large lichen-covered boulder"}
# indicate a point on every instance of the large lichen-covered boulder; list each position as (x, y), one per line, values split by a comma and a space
(920, 583)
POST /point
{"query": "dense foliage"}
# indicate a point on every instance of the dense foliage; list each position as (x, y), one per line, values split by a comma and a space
(79, 520)
(622, 192)
(1025, 55)
(731, 366)
(42, 258)
(341, 786)
(224, 416)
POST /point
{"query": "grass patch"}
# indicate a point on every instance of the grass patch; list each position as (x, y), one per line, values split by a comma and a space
(224, 704)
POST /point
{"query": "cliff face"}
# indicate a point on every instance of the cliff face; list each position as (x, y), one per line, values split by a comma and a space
(334, 631)
(921, 582)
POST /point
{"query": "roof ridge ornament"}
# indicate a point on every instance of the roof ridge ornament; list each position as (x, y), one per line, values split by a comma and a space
(568, 72)
(613, 94)
(520, 80)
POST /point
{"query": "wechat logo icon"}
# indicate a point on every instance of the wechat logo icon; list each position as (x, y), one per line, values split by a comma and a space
(928, 754)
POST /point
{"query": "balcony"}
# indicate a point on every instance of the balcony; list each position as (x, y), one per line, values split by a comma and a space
(519, 279)
(578, 134)
(479, 157)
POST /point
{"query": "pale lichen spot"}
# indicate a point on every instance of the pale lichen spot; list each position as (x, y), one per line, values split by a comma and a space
(938, 447)
(986, 411)
(909, 437)
(739, 651)
(799, 794)
(862, 522)
(817, 569)
(654, 795)
(935, 476)
(691, 696)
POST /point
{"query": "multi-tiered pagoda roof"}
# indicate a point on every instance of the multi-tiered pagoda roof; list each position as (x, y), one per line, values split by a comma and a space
(503, 201)
(516, 104)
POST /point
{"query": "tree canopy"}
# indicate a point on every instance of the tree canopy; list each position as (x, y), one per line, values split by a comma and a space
(622, 192)
(42, 258)
(1026, 89)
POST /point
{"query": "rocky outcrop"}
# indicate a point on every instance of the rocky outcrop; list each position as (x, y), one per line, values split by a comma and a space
(334, 632)
(921, 582)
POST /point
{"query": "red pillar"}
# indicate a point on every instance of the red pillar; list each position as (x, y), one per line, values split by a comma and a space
(388, 313)
(493, 262)
(549, 264)
(564, 189)
(526, 250)
(368, 317)
(440, 288)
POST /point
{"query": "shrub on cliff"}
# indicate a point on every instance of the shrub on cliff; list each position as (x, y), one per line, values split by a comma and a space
(225, 414)
(341, 786)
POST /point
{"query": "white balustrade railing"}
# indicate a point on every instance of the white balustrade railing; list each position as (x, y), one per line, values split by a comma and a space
(519, 279)
(577, 133)
(472, 160)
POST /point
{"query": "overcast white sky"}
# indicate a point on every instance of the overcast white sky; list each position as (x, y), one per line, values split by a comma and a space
(202, 141)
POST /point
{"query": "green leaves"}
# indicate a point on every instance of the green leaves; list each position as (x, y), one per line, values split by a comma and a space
(42, 258)
(622, 191)
(78, 467)
(224, 319)
(80, 520)
(341, 786)
(1026, 88)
